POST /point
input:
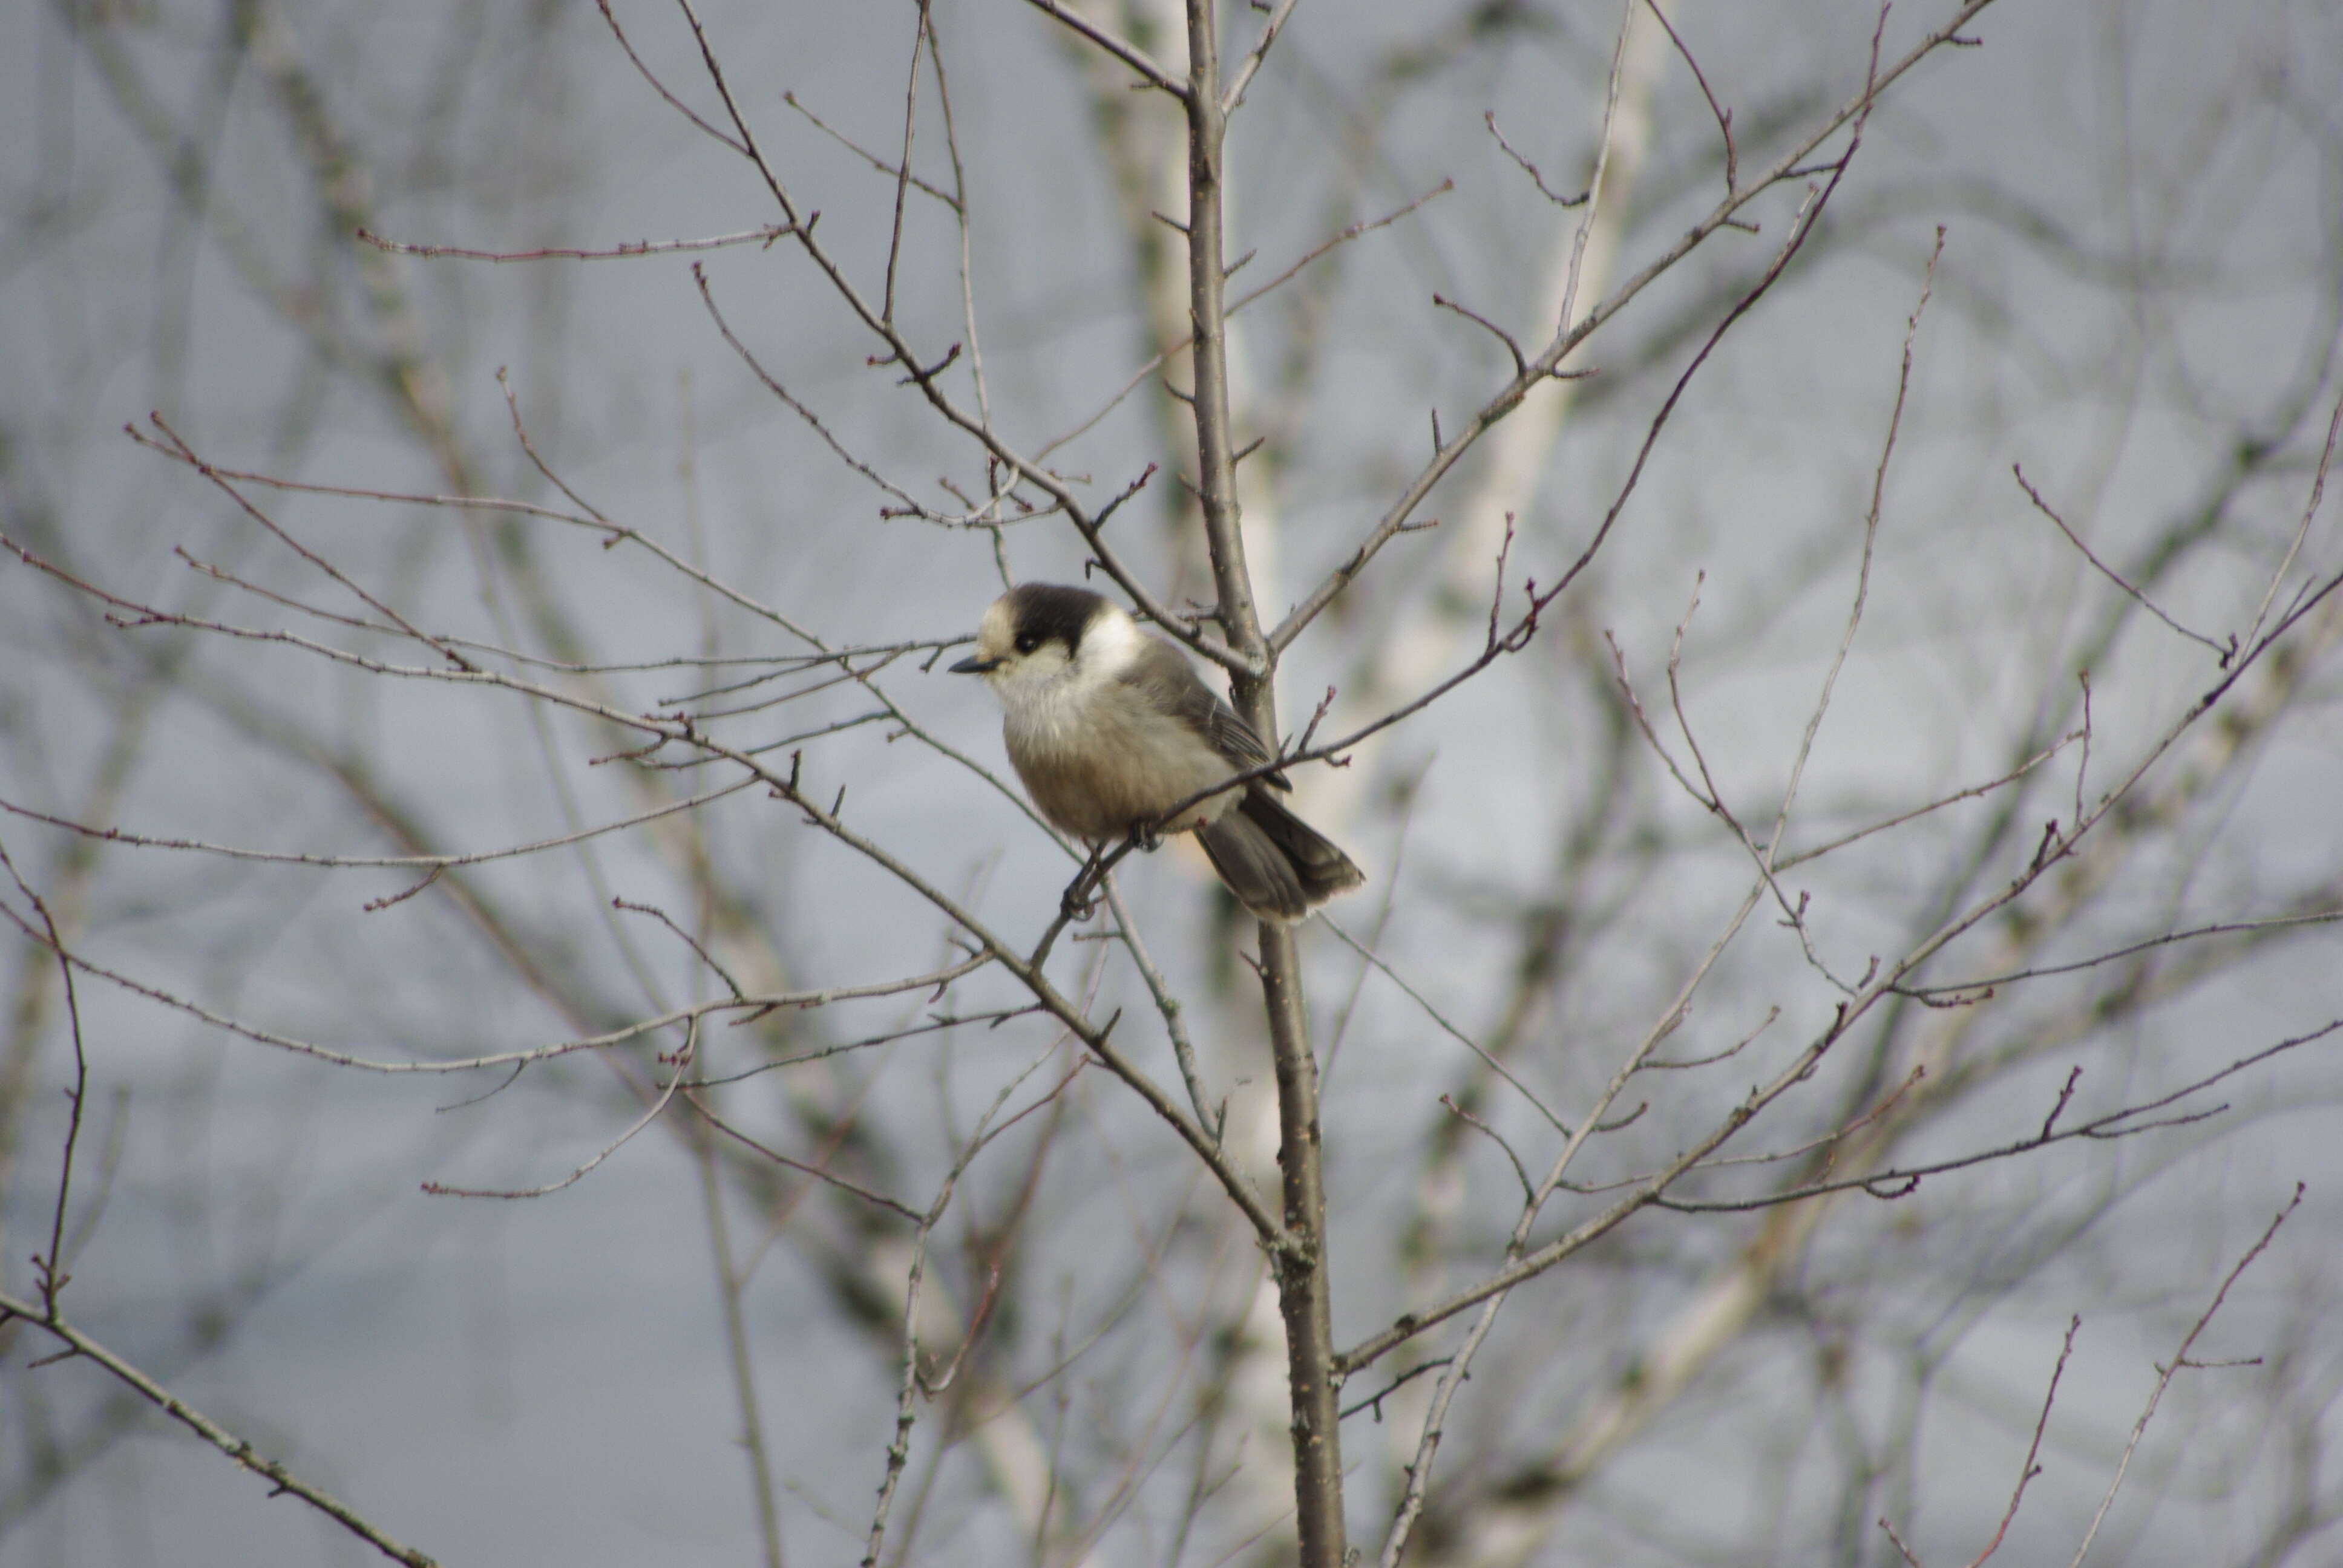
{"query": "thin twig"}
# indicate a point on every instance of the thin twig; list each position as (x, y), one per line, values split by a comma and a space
(1374, 1401)
(625, 250)
(661, 87)
(2194, 934)
(1435, 1421)
(2225, 653)
(1603, 145)
(1723, 116)
(1489, 118)
(50, 1266)
(2302, 529)
(346, 862)
(1375, 963)
(1131, 55)
(1521, 1172)
(1971, 792)
(906, 1409)
(731, 1285)
(281, 1480)
(1174, 1024)
(619, 1036)
(962, 220)
(802, 410)
(1525, 630)
(819, 1172)
(658, 1107)
(1863, 573)
(2029, 1470)
(1888, 979)
(1897, 1181)
(890, 170)
(1139, 377)
(1520, 366)
(2165, 1374)
(992, 1018)
(1243, 75)
(903, 170)
(1571, 333)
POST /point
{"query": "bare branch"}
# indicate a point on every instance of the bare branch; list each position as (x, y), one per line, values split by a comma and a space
(624, 251)
(2029, 1470)
(813, 420)
(892, 171)
(50, 1267)
(1723, 116)
(1154, 74)
(1971, 792)
(661, 87)
(906, 1410)
(1899, 1180)
(903, 170)
(346, 862)
(1571, 335)
(1243, 75)
(682, 1062)
(280, 1479)
(1140, 377)
(1520, 366)
(2302, 529)
(1863, 574)
(2167, 1373)
(821, 1173)
(2194, 934)
(1376, 963)
(1174, 1025)
(1849, 1011)
(1435, 1421)
(1489, 118)
(2224, 654)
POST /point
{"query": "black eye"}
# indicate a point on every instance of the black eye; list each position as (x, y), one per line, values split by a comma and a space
(1026, 642)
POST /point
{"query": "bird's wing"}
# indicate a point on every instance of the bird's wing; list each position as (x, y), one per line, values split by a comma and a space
(1169, 684)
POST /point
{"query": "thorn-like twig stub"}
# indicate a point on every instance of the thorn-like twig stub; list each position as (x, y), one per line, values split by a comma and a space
(922, 376)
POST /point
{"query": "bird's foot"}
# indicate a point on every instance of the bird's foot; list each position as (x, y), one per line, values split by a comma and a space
(1147, 836)
(1081, 896)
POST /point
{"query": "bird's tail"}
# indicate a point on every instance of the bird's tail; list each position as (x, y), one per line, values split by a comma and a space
(1277, 865)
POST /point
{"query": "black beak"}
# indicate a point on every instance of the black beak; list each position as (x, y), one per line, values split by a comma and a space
(975, 664)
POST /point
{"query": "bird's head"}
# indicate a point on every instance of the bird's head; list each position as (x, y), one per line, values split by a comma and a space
(1038, 634)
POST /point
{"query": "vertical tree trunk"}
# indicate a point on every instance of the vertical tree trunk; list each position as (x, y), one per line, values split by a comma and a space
(1300, 1263)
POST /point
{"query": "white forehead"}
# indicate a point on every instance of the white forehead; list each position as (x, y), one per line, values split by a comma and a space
(997, 632)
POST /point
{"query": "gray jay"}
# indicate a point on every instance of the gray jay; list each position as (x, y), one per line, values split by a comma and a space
(1111, 728)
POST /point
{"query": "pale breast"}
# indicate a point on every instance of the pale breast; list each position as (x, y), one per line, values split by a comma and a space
(1129, 765)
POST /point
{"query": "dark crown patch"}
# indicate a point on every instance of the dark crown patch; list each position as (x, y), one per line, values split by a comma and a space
(1046, 612)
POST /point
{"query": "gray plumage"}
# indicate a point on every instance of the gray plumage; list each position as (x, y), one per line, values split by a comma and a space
(1111, 728)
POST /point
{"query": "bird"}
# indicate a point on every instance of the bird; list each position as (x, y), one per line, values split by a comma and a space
(1113, 731)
